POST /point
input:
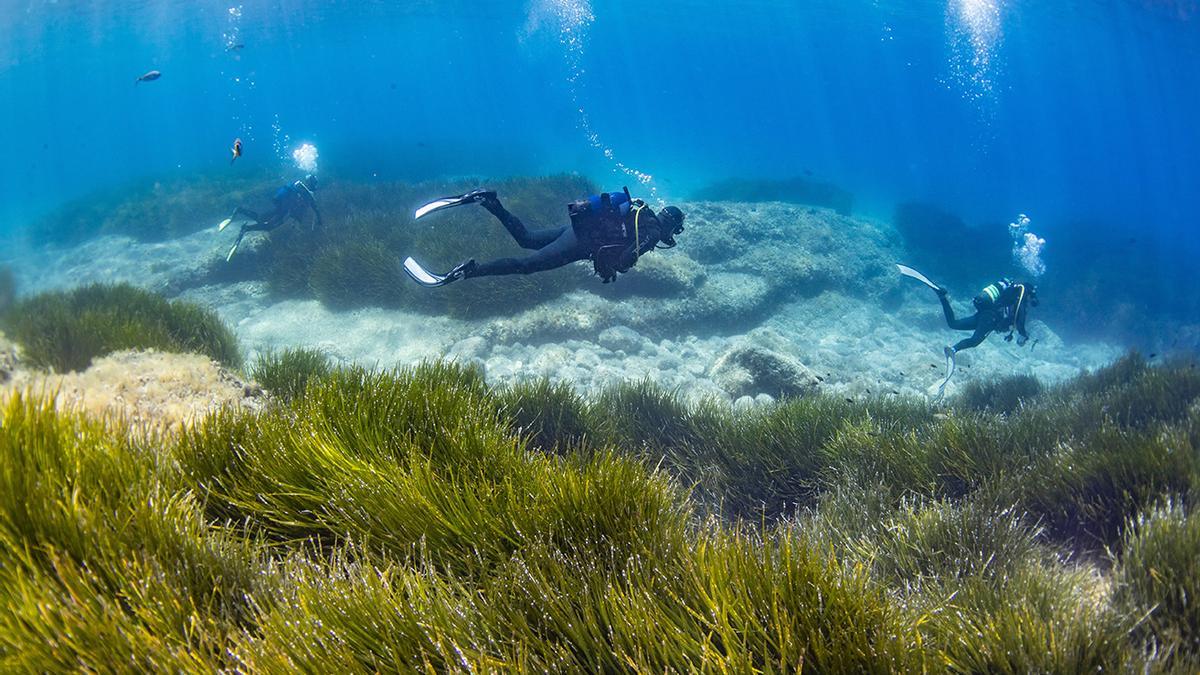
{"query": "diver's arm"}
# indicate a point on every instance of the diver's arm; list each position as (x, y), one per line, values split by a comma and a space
(649, 237)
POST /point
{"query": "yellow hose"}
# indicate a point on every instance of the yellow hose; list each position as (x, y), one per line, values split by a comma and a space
(637, 236)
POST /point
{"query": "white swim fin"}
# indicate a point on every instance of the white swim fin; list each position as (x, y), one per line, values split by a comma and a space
(450, 202)
(951, 366)
(910, 272)
(429, 279)
(422, 276)
(224, 224)
(234, 249)
(437, 205)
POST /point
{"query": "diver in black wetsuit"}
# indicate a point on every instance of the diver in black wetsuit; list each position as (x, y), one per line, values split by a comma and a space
(1001, 306)
(290, 201)
(612, 230)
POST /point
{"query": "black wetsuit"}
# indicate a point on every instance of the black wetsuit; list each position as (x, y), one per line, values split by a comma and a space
(290, 201)
(563, 245)
(1008, 312)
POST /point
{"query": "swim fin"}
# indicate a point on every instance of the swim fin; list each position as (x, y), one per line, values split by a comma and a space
(450, 202)
(951, 366)
(224, 224)
(429, 279)
(910, 272)
(234, 249)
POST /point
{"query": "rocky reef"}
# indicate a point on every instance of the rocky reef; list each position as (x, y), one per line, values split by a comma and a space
(758, 298)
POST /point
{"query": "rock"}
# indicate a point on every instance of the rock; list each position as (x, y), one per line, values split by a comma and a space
(750, 369)
(468, 350)
(744, 403)
(149, 388)
(622, 338)
(663, 274)
(764, 399)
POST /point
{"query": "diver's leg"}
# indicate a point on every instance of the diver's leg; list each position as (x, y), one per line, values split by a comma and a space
(525, 238)
(974, 341)
(242, 211)
(563, 250)
(272, 220)
(969, 323)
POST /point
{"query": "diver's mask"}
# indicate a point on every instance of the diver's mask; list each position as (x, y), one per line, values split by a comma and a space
(672, 219)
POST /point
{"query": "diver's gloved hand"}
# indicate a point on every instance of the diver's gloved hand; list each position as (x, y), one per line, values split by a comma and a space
(1022, 340)
(1008, 338)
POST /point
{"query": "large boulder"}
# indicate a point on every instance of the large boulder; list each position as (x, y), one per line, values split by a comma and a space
(144, 388)
(751, 369)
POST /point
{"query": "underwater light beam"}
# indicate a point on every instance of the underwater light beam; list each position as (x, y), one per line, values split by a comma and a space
(975, 35)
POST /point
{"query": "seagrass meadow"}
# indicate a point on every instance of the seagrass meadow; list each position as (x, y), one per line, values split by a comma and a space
(422, 520)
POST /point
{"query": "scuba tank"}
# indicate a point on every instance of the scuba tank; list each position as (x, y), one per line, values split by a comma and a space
(601, 218)
(991, 293)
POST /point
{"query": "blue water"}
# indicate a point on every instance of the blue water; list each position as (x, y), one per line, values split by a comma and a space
(1082, 114)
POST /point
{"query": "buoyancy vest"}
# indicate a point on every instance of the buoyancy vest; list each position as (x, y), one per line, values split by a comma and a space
(600, 219)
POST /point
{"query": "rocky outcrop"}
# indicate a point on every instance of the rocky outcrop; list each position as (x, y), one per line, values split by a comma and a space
(750, 368)
(144, 388)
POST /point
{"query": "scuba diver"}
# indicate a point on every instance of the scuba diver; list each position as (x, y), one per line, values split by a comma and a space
(612, 230)
(290, 201)
(1002, 306)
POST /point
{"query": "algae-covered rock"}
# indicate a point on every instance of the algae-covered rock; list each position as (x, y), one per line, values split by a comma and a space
(662, 274)
(622, 338)
(750, 368)
(145, 388)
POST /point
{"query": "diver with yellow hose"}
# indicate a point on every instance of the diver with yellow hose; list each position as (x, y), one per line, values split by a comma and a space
(612, 230)
(1002, 306)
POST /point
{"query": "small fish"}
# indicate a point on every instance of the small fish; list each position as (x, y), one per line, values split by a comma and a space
(236, 150)
(896, 392)
(902, 374)
(1153, 355)
(149, 76)
(237, 46)
(933, 365)
(849, 400)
